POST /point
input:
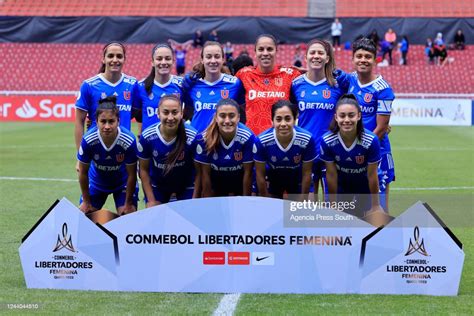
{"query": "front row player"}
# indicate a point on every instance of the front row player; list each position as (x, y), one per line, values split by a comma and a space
(111, 149)
(352, 154)
(225, 153)
(285, 153)
(166, 152)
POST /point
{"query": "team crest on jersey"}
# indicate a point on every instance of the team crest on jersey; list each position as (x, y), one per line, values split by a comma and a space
(266, 81)
(224, 94)
(326, 94)
(278, 82)
(126, 95)
(178, 95)
(120, 157)
(151, 96)
(238, 156)
(297, 158)
(274, 158)
(360, 159)
(103, 95)
(303, 93)
(215, 156)
(96, 157)
(155, 153)
(337, 158)
(368, 97)
(198, 94)
(181, 155)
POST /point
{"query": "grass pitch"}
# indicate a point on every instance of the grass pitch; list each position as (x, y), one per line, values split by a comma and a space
(429, 160)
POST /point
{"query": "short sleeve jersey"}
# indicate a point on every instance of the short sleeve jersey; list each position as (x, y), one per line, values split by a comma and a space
(204, 95)
(97, 88)
(352, 162)
(285, 164)
(107, 172)
(149, 102)
(262, 90)
(152, 146)
(227, 161)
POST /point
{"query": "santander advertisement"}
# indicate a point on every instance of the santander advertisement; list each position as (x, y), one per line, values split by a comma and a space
(39, 108)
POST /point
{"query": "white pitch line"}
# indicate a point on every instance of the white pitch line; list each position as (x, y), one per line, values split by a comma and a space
(433, 148)
(36, 146)
(431, 189)
(38, 179)
(227, 305)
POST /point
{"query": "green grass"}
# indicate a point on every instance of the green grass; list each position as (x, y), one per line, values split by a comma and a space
(446, 160)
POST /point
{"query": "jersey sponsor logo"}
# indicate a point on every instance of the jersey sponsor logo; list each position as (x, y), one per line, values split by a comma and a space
(198, 149)
(266, 94)
(367, 109)
(368, 97)
(315, 106)
(287, 70)
(238, 156)
(360, 159)
(151, 112)
(326, 94)
(204, 106)
(139, 147)
(120, 157)
(124, 107)
(224, 94)
(127, 95)
(254, 149)
(81, 151)
(278, 82)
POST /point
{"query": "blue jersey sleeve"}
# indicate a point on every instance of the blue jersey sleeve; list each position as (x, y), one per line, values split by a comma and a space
(342, 80)
(240, 98)
(144, 149)
(84, 153)
(84, 99)
(384, 101)
(325, 152)
(259, 152)
(310, 151)
(131, 153)
(136, 97)
(248, 149)
(373, 154)
(201, 152)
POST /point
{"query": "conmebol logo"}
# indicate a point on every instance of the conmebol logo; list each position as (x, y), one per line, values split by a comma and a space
(26, 111)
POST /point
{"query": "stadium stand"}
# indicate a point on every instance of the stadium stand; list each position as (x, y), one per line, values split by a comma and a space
(288, 8)
(62, 67)
(404, 8)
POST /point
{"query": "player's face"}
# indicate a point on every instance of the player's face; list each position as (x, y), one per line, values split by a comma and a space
(114, 59)
(212, 59)
(162, 61)
(364, 61)
(283, 122)
(316, 57)
(107, 123)
(227, 118)
(266, 53)
(170, 114)
(347, 117)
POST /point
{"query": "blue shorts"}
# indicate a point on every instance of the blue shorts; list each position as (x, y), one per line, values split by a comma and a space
(163, 196)
(386, 171)
(98, 197)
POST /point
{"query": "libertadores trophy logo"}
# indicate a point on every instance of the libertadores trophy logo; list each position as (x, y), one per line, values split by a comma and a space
(416, 245)
(64, 242)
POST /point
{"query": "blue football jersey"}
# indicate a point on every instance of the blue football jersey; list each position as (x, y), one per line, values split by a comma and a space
(204, 95)
(375, 98)
(149, 102)
(285, 164)
(227, 161)
(97, 88)
(152, 146)
(352, 162)
(107, 172)
(316, 103)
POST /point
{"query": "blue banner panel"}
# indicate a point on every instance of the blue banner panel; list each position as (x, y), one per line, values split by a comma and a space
(236, 245)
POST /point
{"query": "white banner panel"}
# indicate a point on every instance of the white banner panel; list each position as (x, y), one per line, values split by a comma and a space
(442, 112)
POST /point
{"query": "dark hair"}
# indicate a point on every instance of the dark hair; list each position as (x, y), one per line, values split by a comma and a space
(180, 135)
(352, 100)
(104, 51)
(365, 44)
(331, 65)
(107, 104)
(198, 68)
(282, 103)
(240, 62)
(268, 36)
(149, 80)
(212, 131)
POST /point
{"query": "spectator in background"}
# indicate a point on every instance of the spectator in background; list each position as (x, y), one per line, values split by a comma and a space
(440, 54)
(459, 40)
(336, 32)
(429, 50)
(198, 39)
(404, 50)
(244, 51)
(439, 39)
(374, 36)
(391, 38)
(240, 62)
(229, 55)
(213, 37)
(180, 55)
(298, 57)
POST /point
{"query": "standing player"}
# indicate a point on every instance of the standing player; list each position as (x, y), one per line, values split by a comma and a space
(108, 162)
(285, 153)
(375, 97)
(265, 84)
(351, 154)
(316, 93)
(109, 82)
(166, 152)
(159, 82)
(225, 153)
(208, 84)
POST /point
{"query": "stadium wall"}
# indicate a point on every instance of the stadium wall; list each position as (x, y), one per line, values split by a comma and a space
(235, 29)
